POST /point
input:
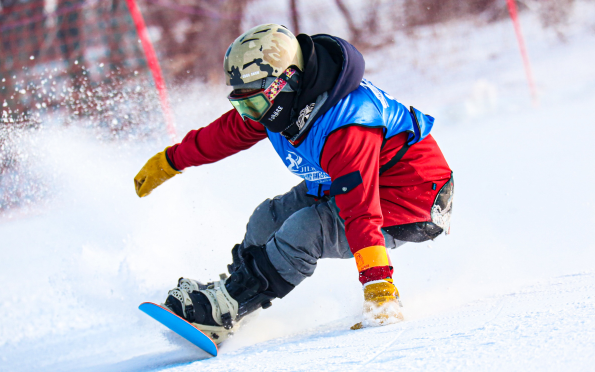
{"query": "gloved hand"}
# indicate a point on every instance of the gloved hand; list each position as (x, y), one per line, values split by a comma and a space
(381, 305)
(156, 171)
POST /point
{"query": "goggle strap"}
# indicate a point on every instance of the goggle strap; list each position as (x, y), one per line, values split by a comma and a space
(292, 81)
(277, 86)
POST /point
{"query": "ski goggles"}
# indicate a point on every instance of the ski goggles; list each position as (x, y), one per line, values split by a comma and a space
(255, 105)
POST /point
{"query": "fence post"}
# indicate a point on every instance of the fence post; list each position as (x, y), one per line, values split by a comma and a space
(153, 63)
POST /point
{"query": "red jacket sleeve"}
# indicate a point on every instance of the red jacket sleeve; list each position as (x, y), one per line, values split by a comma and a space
(224, 137)
(348, 150)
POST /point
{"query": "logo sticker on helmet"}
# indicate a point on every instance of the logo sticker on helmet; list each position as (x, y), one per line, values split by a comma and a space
(251, 74)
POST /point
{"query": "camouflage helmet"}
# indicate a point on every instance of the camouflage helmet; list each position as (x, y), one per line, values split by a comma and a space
(261, 52)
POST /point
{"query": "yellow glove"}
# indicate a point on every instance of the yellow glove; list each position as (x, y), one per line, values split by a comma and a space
(381, 305)
(154, 173)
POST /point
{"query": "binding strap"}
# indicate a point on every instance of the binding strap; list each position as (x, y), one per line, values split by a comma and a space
(224, 307)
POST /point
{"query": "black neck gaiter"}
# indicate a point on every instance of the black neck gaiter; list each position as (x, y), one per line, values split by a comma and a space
(278, 116)
(320, 73)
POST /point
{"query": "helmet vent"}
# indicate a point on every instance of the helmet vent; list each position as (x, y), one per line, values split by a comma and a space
(284, 31)
(245, 41)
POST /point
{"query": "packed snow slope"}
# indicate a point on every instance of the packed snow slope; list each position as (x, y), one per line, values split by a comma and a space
(512, 288)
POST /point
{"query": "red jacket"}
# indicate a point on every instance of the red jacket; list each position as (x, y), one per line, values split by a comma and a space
(401, 195)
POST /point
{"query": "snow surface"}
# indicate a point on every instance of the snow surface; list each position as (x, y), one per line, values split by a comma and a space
(513, 287)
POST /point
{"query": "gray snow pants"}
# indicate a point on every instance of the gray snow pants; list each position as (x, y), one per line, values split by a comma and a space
(298, 230)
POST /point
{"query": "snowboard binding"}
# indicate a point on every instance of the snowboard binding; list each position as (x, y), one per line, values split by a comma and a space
(217, 307)
(209, 307)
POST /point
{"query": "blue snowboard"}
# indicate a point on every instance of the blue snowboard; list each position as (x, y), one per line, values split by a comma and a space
(179, 326)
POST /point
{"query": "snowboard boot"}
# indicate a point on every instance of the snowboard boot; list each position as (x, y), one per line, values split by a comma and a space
(217, 308)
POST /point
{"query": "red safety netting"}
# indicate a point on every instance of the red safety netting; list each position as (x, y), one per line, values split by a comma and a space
(69, 61)
(97, 63)
(80, 57)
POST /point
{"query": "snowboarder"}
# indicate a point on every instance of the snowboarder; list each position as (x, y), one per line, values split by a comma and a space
(374, 177)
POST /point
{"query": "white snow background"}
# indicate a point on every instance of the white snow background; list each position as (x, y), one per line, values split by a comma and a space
(512, 288)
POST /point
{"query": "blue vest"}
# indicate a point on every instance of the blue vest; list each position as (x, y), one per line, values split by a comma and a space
(366, 106)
